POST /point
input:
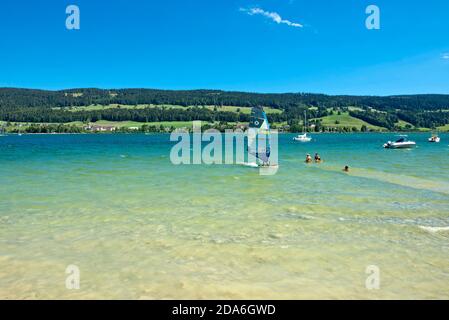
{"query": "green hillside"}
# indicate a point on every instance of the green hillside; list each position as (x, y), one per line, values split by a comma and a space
(341, 113)
(345, 120)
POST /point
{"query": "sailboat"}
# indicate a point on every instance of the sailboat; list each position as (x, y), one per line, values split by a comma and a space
(303, 137)
(259, 139)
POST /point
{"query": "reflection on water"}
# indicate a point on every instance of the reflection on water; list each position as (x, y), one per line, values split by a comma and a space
(139, 227)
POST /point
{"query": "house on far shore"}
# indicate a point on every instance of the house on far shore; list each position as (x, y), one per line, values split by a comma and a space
(242, 126)
(284, 128)
(100, 128)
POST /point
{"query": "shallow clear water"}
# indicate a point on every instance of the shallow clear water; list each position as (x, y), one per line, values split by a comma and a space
(139, 227)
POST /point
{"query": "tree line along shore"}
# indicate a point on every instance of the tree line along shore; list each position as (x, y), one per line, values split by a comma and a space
(146, 110)
(167, 127)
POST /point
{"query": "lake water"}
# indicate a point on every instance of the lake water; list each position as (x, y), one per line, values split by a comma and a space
(138, 227)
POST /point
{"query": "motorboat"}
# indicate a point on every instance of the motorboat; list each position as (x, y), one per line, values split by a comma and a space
(402, 143)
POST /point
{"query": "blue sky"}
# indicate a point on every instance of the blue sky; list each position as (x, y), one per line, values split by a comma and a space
(319, 46)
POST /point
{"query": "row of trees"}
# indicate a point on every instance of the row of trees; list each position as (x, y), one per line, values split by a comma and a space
(148, 114)
(427, 119)
(424, 119)
(381, 119)
(13, 97)
(47, 128)
(222, 126)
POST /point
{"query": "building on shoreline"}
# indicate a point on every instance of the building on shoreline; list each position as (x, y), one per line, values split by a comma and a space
(100, 128)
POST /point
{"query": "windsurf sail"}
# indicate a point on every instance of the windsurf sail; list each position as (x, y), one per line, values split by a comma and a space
(259, 135)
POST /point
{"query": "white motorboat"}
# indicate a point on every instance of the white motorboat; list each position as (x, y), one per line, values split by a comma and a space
(402, 143)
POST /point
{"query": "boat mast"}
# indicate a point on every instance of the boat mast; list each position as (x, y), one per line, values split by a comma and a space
(305, 121)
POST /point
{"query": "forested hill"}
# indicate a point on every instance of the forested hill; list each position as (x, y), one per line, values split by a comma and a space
(390, 112)
(14, 97)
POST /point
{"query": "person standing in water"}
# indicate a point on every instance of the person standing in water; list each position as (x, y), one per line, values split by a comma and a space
(317, 157)
(308, 158)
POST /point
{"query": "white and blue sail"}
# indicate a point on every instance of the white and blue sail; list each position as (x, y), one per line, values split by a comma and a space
(259, 136)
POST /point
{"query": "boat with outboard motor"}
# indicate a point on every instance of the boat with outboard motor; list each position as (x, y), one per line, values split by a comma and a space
(402, 143)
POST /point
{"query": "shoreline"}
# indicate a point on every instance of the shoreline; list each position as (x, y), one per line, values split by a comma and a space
(280, 133)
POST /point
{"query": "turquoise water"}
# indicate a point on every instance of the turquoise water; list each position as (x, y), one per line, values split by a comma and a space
(139, 227)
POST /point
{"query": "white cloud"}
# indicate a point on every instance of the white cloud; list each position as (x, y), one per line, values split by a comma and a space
(271, 15)
(445, 56)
